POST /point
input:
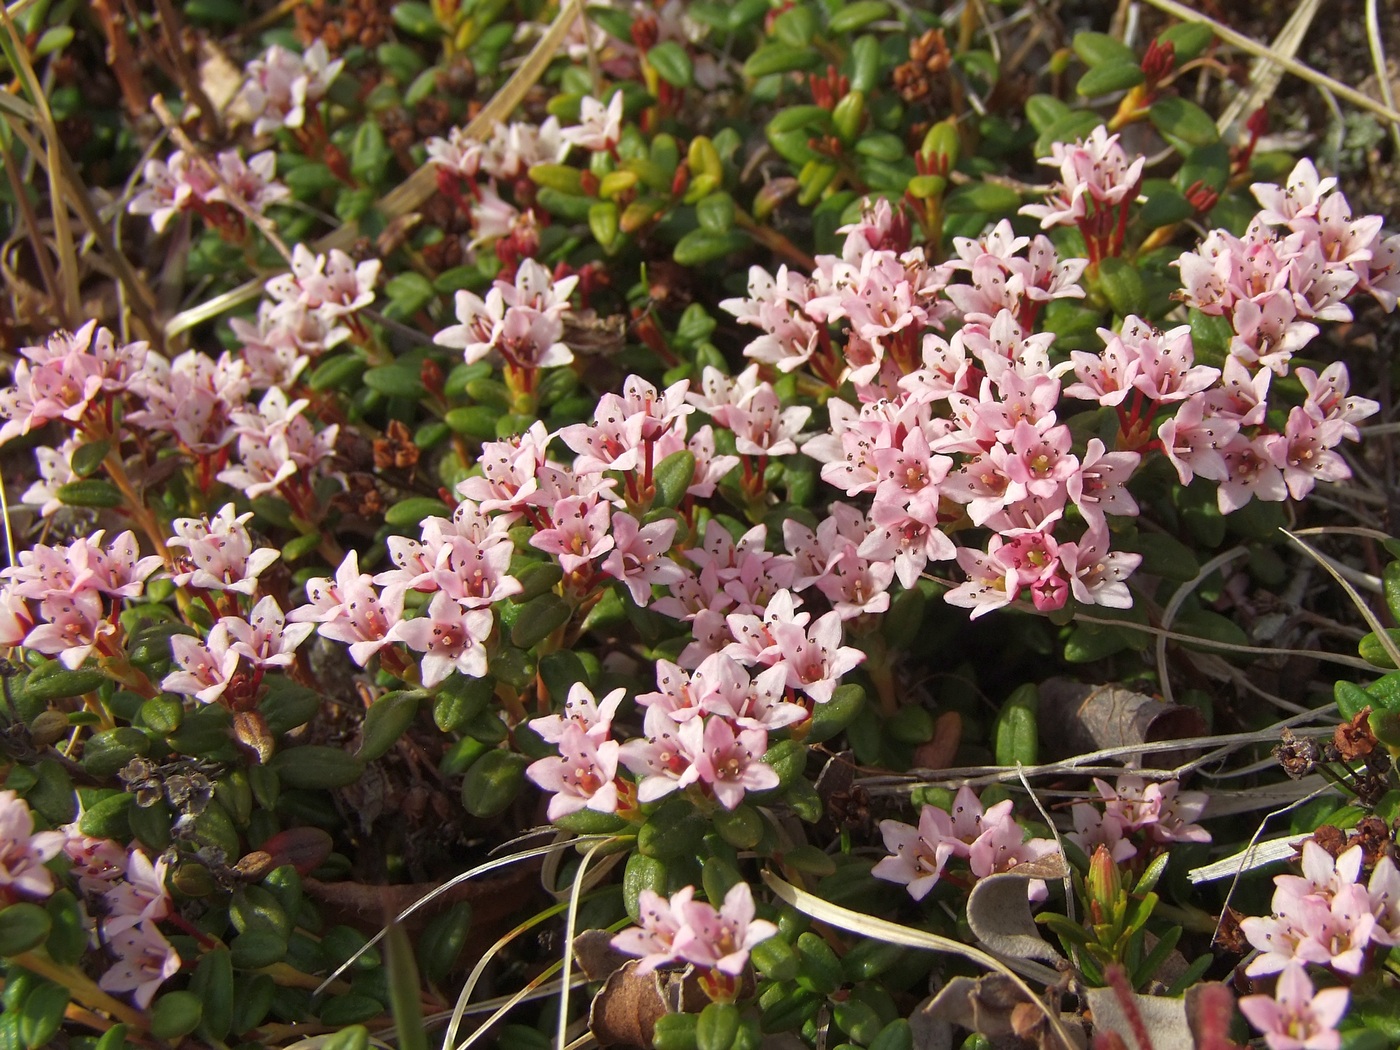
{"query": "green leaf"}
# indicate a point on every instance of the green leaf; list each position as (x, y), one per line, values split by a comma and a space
(396, 380)
(87, 458)
(1109, 77)
(539, 618)
(777, 57)
(1015, 736)
(91, 492)
(1096, 49)
(674, 831)
(1044, 110)
(342, 370)
(1166, 556)
(441, 944)
(858, 15)
(404, 1001)
(313, 766)
(408, 293)
(1122, 284)
(717, 1027)
(702, 246)
(387, 719)
(558, 177)
(1089, 642)
(175, 1015)
(23, 926)
(672, 476)
(107, 752)
(983, 197)
(1182, 123)
(672, 64)
(492, 783)
(675, 1032)
(369, 153)
(52, 681)
(1373, 650)
(213, 983)
(1188, 40)
(412, 512)
(41, 1014)
(416, 19)
(716, 212)
(865, 63)
(603, 223)
(836, 714)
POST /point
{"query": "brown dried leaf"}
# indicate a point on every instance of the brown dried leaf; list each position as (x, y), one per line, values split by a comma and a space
(990, 1006)
(1075, 718)
(625, 1010)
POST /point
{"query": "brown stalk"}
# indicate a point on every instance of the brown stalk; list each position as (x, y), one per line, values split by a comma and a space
(185, 74)
(121, 58)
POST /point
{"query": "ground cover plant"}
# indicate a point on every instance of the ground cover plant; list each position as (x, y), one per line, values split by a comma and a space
(693, 525)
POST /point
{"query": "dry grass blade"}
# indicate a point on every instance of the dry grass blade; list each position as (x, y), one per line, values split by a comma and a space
(1292, 65)
(68, 277)
(480, 869)
(893, 933)
(1266, 72)
(461, 1008)
(1372, 621)
(561, 1038)
(1174, 606)
(419, 186)
(1373, 39)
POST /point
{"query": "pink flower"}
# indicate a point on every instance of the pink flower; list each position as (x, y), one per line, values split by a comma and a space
(205, 669)
(731, 763)
(580, 709)
(521, 321)
(450, 636)
(23, 851)
(581, 777)
(264, 637)
(638, 557)
(666, 759)
(721, 939)
(599, 127)
(1296, 1017)
(917, 855)
(281, 85)
(140, 897)
(145, 960)
(814, 657)
(1094, 174)
(220, 554)
(661, 920)
(350, 610)
(333, 285)
(579, 535)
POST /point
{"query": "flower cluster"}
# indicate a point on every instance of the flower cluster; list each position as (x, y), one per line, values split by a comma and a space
(1098, 185)
(988, 840)
(1327, 916)
(1297, 1017)
(683, 929)
(973, 429)
(132, 899)
(64, 600)
(462, 562)
(218, 191)
(1158, 812)
(282, 86)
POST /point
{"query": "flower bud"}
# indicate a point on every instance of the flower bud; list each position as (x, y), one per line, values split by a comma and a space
(1104, 884)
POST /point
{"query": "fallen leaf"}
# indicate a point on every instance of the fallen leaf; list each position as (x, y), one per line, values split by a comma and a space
(999, 911)
(1075, 719)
